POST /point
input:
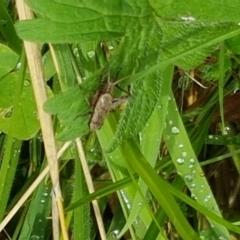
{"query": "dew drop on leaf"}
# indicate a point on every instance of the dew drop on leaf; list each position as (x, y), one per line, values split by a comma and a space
(191, 161)
(192, 186)
(188, 178)
(210, 136)
(18, 66)
(184, 154)
(34, 237)
(226, 130)
(114, 234)
(193, 196)
(222, 238)
(26, 83)
(188, 18)
(180, 161)
(91, 54)
(175, 130)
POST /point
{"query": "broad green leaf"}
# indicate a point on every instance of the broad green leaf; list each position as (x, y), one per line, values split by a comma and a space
(8, 60)
(213, 10)
(73, 112)
(113, 19)
(27, 124)
(233, 44)
(8, 31)
(144, 98)
(153, 36)
(177, 37)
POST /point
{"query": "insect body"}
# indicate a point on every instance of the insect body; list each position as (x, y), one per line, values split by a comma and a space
(101, 109)
(103, 102)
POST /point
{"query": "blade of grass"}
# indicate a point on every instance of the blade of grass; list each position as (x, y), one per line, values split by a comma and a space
(155, 184)
(185, 161)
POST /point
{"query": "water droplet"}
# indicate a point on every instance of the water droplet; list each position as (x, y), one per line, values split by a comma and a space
(34, 237)
(18, 66)
(180, 145)
(125, 199)
(191, 161)
(92, 150)
(7, 112)
(184, 154)
(193, 196)
(114, 234)
(188, 178)
(227, 129)
(210, 136)
(110, 48)
(45, 194)
(42, 201)
(222, 238)
(192, 186)
(207, 198)
(26, 83)
(175, 130)
(180, 161)
(91, 54)
(170, 122)
(187, 18)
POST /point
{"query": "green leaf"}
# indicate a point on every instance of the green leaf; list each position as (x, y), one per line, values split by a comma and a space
(8, 60)
(213, 10)
(177, 37)
(187, 165)
(73, 112)
(156, 185)
(37, 224)
(144, 98)
(153, 36)
(27, 124)
(8, 31)
(233, 44)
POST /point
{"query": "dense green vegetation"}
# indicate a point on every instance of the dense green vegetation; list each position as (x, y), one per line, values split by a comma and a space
(165, 162)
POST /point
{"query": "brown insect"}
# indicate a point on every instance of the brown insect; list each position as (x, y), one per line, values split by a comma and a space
(103, 102)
